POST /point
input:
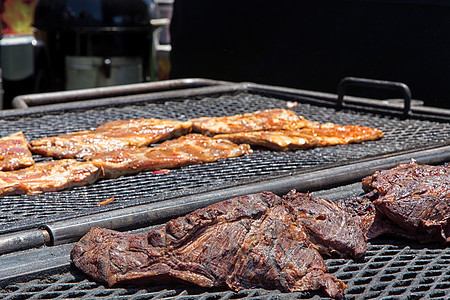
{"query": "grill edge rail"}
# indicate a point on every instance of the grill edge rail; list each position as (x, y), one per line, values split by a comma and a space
(67, 231)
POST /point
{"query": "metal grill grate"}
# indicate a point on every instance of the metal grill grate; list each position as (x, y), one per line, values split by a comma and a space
(21, 212)
(389, 270)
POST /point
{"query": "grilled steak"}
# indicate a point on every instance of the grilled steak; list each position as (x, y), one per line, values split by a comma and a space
(416, 198)
(372, 222)
(315, 136)
(48, 176)
(246, 242)
(14, 152)
(275, 119)
(110, 136)
(190, 149)
(330, 228)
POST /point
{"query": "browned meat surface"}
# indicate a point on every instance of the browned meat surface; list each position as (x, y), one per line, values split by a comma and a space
(251, 241)
(190, 149)
(330, 134)
(48, 176)
(110, 136)
(416, 198)
(372, 222)
(315, 136)
(14, 152)
(275, 119)
(330, 228)
(281, 140)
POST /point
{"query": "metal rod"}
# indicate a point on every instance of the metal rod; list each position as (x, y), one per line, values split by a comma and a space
(26, 101)
(145, 215)
(23, 240)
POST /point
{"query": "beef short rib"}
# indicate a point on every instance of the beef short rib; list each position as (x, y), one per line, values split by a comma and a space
(251, 241)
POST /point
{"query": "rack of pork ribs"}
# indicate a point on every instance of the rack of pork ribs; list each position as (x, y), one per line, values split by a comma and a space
(125, 147)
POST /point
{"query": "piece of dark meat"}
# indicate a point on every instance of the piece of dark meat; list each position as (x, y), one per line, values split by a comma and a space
(330, 228)
(416, 198)
(372, 222)
(250, 241)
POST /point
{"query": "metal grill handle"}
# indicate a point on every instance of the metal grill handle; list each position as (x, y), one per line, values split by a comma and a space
(371, 83)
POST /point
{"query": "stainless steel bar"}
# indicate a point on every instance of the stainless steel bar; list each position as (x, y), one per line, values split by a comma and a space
(27, 101)
(145, 215)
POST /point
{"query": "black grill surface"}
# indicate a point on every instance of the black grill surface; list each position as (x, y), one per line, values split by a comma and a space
(390, 269)
(21, 212)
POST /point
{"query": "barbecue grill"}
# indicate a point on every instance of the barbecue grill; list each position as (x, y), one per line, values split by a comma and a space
(45, 226)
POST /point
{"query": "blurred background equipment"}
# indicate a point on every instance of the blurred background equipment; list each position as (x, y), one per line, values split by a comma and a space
(18, 49)
(95, 43)
(55, 45)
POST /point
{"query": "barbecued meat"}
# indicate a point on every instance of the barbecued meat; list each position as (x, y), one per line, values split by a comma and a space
(190, 149)
(371, 221)
(315, 136)
(281, 140)
(416, 198)
(246, 242)
(110, 136)
(48, 176)
(330, 228)
(275, 119)
(14, 152)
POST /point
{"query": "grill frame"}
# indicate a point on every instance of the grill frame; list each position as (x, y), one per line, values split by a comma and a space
(201, 93)
(180, 89)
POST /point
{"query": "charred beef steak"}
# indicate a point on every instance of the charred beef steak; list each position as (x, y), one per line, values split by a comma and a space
(252, 241)
(372, 222)
(330, 228)
(414, 197)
